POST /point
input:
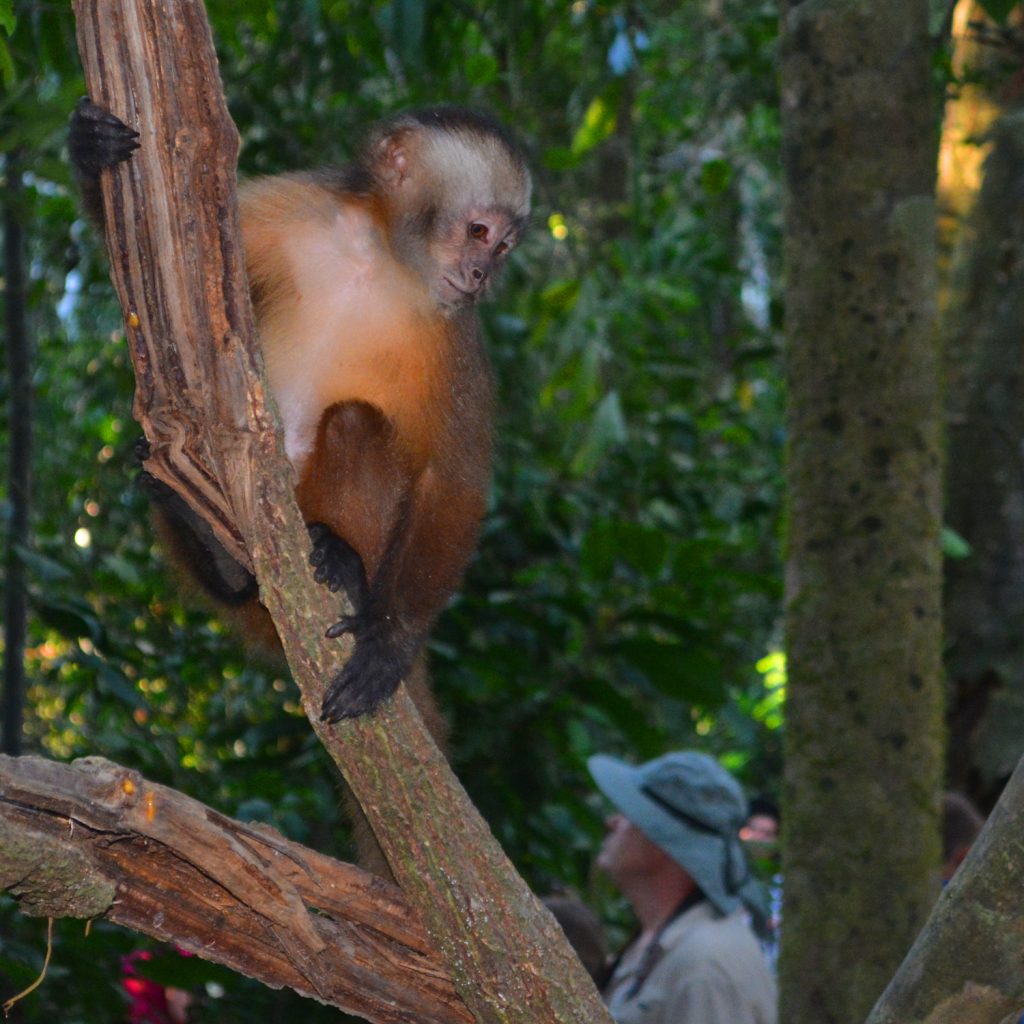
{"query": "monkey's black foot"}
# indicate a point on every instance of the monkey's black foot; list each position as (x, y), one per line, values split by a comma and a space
(337, 564)
(98, 139)
(371, 676)
(142, 449)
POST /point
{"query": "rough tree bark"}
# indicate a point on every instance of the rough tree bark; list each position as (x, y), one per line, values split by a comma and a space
(19, 471)
(93, 839)
(964, 967)
(864, 704)
(985, 495)
(172, 230)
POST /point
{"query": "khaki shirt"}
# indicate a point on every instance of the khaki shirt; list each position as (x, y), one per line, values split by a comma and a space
(708, 969)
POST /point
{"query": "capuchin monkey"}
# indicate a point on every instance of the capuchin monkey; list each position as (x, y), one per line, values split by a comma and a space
(364, 280)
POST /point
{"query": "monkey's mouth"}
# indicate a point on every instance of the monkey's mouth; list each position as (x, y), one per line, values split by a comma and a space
(461, 295)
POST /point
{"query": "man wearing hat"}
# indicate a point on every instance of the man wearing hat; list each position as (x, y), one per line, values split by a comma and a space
(674, 850)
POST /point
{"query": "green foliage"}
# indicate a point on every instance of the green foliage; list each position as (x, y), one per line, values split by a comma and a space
(627, 583)
(999, 10)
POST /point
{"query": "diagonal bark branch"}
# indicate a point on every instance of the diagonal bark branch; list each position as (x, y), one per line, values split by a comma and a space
(172, 222)
(964, 967)
(94, 839)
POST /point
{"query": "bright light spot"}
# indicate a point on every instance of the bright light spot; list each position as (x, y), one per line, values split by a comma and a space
(106, 454)
(83, 538)
(559, 229)
(239, 748)
(92, 508)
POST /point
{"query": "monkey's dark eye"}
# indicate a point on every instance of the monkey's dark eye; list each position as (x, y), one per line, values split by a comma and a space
(478, 231)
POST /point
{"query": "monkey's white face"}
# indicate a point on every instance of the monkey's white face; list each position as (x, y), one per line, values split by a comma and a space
(466, 255)
(459, 201)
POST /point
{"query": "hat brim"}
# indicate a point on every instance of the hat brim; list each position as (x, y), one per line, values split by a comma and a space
(700, 854)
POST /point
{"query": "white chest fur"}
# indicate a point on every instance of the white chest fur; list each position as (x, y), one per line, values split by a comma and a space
(353, 329)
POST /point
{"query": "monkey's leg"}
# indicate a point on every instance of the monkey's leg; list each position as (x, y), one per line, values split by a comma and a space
(353, 490)
(432, 540)
(191, 543)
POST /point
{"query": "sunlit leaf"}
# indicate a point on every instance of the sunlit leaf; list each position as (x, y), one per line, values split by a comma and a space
(598, 124)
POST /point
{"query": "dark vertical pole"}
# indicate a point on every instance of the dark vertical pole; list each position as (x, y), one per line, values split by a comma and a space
(19, 473)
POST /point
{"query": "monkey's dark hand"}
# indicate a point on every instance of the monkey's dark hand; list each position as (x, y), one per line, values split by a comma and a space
(372, 674)
(379, 660)
(98, 139)
(337, 564)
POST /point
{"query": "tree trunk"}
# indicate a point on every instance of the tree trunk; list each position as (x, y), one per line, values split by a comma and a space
(864, 702)
(177, 264)
(985, 590)
(19, 473)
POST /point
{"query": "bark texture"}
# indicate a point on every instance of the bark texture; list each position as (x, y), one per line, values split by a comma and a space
(19, 471)
(864, 724)
(964, 967)
(172, 219)
(985, 590)
(93, 839)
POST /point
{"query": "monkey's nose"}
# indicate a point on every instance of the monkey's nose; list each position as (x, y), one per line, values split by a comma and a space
(478, 274)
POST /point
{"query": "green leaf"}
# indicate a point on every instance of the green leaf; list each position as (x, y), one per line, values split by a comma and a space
(7, 18)
(953, 545)
(716, 176)
(643, 547)
(607, 430)
(182, 971)
(998, 10)
(560, 296)
(7, 73)
(481, 69)
(112, 683)
(69, 621)
(45, 570)
(681, 672)
(598, 124)
(560, 158)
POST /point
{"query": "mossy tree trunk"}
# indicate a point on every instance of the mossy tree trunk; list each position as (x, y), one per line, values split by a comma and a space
(985, 385)
(864, 712)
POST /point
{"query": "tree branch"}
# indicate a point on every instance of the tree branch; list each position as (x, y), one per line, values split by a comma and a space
(172, 231)
(964, 967)
(94, 839)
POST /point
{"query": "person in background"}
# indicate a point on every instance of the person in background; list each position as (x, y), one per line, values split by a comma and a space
(584, 931)
(673, 849)
(961, 824)
(761, 836)
(763, 821)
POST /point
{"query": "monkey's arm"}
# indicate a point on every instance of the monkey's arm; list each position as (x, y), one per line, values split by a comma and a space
(414, 530)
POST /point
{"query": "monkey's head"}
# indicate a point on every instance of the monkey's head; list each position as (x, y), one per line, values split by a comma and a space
(457, 194)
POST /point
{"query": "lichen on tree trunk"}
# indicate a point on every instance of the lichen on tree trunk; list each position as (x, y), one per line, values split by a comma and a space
(864, 728)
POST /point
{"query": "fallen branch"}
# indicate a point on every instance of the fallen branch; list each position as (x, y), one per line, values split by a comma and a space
(93, 839)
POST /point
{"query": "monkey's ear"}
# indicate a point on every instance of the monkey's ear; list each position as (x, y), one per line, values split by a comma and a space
(393, 160)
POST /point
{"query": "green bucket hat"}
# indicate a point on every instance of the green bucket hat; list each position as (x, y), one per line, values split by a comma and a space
(690, 806)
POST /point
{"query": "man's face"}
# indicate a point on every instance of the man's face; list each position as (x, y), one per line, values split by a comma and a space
(626, 852)
(760, 828)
